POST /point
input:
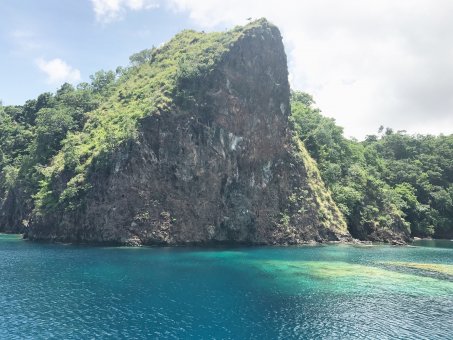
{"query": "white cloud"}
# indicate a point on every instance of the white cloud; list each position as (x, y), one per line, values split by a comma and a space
(58, 71)
(367, 63)
(110, 10)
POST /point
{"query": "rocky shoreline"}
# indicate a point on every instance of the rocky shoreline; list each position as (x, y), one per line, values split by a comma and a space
(222, 244)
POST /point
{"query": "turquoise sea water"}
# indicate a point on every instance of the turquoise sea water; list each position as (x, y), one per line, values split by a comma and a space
(335, 291)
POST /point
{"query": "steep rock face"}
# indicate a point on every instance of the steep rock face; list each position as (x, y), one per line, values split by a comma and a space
(398, 233)
(15, 210)
(222, 166)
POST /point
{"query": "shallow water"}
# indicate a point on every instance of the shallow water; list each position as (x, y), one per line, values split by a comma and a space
(335, 291)
(434, 243)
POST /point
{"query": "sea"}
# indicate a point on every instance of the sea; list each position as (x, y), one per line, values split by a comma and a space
(58, 291)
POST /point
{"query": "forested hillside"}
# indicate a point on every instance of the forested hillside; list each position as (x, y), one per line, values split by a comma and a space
(389, 181)
(32, 134)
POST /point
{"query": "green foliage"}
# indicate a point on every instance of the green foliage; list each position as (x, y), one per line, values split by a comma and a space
(102, 81)
(322, 201)
(32, 135)
(389, 181)
(142, 57)
(51, 127)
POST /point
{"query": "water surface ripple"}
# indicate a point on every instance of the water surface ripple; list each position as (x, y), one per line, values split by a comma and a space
(336, 291)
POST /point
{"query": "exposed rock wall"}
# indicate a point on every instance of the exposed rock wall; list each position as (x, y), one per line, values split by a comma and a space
(222, 167)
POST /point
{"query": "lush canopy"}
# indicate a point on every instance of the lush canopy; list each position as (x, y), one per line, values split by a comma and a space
(389, 179)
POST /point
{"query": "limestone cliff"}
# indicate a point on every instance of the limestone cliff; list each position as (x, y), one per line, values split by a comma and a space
(216, 163)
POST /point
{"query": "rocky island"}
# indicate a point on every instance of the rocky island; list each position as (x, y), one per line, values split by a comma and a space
(211, 160)
(194, 143)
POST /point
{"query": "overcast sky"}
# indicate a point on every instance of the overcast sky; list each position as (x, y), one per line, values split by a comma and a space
(366, 62)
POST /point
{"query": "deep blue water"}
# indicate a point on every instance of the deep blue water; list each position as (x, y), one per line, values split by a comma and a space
(335, 291)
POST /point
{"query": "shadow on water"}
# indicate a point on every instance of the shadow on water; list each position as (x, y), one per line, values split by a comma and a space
(433, 243)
